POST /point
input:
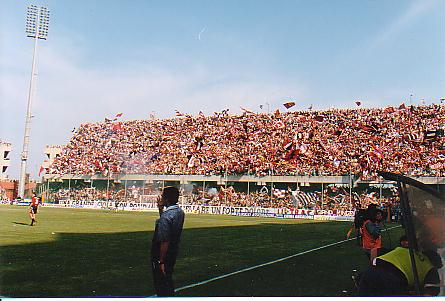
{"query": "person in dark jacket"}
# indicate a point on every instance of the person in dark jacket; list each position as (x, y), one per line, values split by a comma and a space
(392, 275)
(165, 243)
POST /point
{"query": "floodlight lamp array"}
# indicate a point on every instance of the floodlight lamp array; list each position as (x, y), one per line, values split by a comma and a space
(37, 22)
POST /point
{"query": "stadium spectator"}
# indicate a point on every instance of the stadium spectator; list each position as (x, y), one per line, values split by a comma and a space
(165, 243)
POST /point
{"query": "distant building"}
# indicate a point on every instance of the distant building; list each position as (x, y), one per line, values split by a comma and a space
(5, 162)
(51, 152)
(9, 188)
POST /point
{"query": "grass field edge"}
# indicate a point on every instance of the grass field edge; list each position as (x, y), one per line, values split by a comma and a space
(269, 263)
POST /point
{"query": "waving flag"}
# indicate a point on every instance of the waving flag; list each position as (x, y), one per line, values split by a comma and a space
(41, 169)
(117, 126)
(430, 135)
(319, 118)
(289, 104)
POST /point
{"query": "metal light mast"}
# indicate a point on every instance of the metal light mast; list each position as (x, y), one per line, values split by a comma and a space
(37, 23)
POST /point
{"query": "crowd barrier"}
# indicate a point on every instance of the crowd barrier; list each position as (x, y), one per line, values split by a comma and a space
(287, 213)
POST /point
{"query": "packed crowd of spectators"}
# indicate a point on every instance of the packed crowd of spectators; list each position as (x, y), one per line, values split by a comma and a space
(132, 194)
(407, 140)
(85, 194)
(332, 198)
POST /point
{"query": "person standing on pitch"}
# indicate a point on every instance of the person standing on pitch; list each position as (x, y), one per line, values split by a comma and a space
(165, 243)
(371, 232)
(33, 208)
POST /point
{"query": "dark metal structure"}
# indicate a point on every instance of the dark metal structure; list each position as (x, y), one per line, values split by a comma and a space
(423, 216)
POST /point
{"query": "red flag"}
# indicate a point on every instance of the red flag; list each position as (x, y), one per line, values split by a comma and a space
(376, 152)
(319, 118)
(402, 106)
(288, 145)
(178, 113)
(117, 126)
(291, 154)
(118, 115)
(279, 125)
(358, 103)
(289, 104)
(41, 169)
(389, 110)
(368, 128)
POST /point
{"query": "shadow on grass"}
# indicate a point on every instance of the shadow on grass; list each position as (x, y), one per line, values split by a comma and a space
(115, 264)
(118, 264)
(23, 224)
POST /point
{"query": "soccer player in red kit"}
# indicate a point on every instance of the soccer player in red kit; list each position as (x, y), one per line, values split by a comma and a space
(33, 208)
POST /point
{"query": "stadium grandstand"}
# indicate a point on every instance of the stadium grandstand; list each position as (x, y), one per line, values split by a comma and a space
(302, 159)
(333, 142)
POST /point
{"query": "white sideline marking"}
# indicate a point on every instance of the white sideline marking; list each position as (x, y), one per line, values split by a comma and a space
(268, 263)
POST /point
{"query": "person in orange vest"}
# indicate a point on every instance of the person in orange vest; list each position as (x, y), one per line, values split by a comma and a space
(33, 208)
(371, 231)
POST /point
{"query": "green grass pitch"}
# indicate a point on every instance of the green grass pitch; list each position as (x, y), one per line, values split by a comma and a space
(83, 253)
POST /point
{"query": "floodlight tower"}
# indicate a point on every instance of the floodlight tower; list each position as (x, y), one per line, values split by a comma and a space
(37, 23)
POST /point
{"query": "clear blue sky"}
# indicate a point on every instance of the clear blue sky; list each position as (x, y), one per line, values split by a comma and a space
(135, 57)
